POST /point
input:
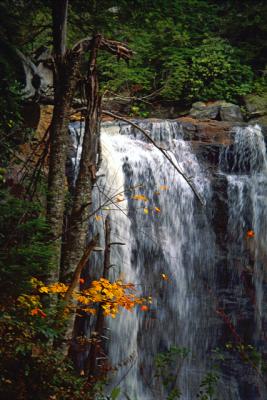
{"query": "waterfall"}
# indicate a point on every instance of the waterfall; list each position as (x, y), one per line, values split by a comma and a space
(172, 234)
(245, 166)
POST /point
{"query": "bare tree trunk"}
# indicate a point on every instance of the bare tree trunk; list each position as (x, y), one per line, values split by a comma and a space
(65, 78)
(91, 364)
(78, 225)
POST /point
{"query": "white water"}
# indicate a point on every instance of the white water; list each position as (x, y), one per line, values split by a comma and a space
(166, 242)
(179, 241)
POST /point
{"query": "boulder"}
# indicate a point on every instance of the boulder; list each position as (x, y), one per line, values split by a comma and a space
(219, 110)
(256, 105)
(201, 110)
(230, 112)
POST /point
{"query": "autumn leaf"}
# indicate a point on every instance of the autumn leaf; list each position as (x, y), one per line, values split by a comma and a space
(139, 197)
(157, 209)
(165, 277)
(44, 289)
(81, 280)
(119, 198)
(38, 311)
(146, 210)
(164, 187)
(98, 217)
(144, 308)
(250, 234)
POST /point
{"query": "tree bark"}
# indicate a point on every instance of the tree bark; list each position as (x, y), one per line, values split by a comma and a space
(91, 364)
(78, 224)
(60, 17)
(66, 67)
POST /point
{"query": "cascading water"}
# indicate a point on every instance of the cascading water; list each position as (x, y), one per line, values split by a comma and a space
(172, 234)
(245, 165)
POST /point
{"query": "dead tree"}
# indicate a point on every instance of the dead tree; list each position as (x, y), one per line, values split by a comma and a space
(67, 64)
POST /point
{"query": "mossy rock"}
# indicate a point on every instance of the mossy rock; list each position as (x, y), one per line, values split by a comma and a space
(256, 105)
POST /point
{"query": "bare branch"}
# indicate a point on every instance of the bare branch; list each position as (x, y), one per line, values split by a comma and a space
(121, 50)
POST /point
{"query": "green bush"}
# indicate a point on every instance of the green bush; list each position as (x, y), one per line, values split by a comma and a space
(217, 73)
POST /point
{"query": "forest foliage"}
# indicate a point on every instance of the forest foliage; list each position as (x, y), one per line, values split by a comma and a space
(185, 51)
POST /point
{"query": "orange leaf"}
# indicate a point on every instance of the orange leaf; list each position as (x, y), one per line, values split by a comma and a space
(144, 308)
(157, 209)
(164, 277)
(164, 187)
(250, 234)
(81, 280)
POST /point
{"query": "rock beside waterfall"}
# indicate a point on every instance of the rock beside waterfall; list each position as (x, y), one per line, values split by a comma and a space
(230, 112)
(218, 110)
(256, 107)
(201, 110)
(209, 131)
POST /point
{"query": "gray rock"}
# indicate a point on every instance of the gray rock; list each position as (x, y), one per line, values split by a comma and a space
(256, 105)
(219, 110)
(230, 112)
(201, 110)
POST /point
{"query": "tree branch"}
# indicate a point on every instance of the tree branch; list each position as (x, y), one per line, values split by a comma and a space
(79, 268)
(121, 50)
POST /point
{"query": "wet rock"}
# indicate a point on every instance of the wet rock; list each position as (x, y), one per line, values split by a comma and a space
(209, 131)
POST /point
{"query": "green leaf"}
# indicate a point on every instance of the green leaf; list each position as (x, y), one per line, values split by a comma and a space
(115, 393)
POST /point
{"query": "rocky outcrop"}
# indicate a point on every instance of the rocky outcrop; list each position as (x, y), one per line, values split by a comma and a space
(208, 131)
(256, 107)
(218, 110)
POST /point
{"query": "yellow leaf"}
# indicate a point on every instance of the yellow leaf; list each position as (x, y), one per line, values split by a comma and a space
(164, 187)
(44, 289)
(146, 210)
(98, 217)
(164, 277)
(119, 198)
(140, 197)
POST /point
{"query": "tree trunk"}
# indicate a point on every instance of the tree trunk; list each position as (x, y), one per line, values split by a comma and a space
(78, 224)
(91, 364)
(65, 78)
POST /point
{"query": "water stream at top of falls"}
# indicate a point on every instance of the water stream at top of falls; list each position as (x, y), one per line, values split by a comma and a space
(175, 236)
